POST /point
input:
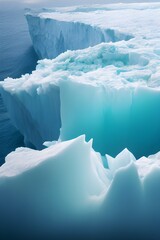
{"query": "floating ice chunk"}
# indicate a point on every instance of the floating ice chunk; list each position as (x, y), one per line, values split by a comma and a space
(49, 188)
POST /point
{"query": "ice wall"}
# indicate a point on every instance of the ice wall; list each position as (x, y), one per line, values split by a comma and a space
(109, 92)
(54, 31)
(35, 112)
(51, 37)
(10, 138)
(114, 118)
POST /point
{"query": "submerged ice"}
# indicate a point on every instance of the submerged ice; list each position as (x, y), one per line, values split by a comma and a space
(106, 87)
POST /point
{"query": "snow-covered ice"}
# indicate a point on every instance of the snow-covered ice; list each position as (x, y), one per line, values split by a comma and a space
(54, 31)
(109, 92)
(91, 116)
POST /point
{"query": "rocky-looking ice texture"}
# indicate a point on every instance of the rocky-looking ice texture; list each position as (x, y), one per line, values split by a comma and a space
(54, 31)
(65, 186)
(109, 92)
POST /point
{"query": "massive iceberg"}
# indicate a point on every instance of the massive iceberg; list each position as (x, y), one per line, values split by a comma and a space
(108, 92)
(55, 31)
(90, 120)
(114, 85)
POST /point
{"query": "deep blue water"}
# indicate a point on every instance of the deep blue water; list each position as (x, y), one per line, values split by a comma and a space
(17, 57)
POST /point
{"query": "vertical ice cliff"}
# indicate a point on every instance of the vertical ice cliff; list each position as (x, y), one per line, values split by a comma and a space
(51, 36)
(10, 137)
(54, 31)
(108, 92)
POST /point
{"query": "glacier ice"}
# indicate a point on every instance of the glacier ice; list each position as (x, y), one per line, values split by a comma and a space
(10, 138)
(52, 36)
(54, 31)
(115, 86)
(116, 98)
(65, 186)
(50, 189)
(91, 117)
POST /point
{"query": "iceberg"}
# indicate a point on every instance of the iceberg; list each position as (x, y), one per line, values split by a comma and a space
(52, 186)
(54, 31)
(62, 188)
(115, 86)
(108, 92)
(90, 121)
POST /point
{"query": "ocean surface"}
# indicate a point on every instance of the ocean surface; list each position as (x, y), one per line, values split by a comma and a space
(17, 57)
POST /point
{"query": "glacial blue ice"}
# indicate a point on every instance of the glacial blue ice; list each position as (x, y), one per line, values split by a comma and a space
(109, 91)
(91, 119)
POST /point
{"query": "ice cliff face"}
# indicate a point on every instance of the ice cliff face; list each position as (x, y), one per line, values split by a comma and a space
(52, 35)
(107, 92)
(111, 94)
(55, 31)
(119, 81)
